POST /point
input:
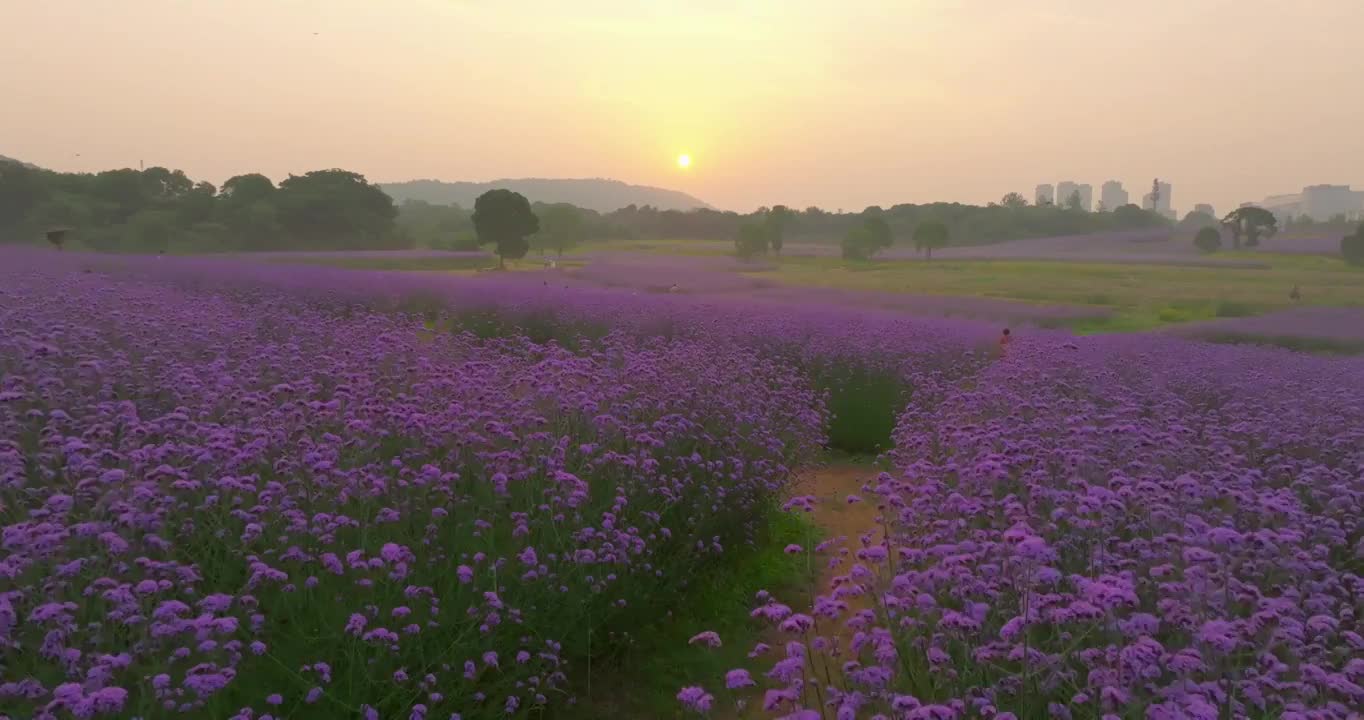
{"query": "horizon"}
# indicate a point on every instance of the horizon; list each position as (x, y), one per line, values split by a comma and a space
(778, 103)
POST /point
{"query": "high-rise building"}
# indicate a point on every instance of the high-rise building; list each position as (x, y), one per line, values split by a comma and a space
(1064, 190)
(1205, 208)
(1162, 205)
(1112, 195)
(1044, 195)
(1086, 192)
(1323, 202)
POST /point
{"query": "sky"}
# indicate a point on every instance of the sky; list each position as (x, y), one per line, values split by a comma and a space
(801, 102)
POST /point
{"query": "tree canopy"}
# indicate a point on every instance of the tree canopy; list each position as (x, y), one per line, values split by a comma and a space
(160, 210)
(1352, 246)
(503, 218)
(1250, 222)
(929, 235)
(562, 227)
(1208, 239)
(752, 240)
(865, 240)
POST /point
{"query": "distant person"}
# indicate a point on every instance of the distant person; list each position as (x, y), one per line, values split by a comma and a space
(1004, 340)
(1295, 295)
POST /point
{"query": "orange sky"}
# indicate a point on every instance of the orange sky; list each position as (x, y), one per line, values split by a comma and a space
(839, 104)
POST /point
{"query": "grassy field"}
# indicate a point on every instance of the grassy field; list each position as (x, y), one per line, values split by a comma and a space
(1141, 296)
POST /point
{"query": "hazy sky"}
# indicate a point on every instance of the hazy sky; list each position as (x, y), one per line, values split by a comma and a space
(839, 104)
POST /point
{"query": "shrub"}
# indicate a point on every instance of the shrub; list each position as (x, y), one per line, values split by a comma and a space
(1208, 239)
(1352, 247)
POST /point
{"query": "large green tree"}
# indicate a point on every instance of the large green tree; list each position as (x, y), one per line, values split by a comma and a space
(1250, 222)
(503, 218)
(776, 222)
(562, 227)
(337, 209)
(751, 241)
(930, 234)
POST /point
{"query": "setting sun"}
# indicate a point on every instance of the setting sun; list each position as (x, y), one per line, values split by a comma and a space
(684, 161)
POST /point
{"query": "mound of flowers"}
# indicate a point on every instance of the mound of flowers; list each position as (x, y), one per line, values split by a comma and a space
(1121, 528)
(242, 502)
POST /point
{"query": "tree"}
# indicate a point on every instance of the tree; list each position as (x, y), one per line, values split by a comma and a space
(1251, 222)
(335, 209)
(856, 244)
(561, 227)
(1352, 247)
(1073, 202)
(1197, 220)
(751, 240)
(1208, 239)
(1131, 217)
(930, 234)
(1013, 200)
(776, 221)
(504, 218)
(864, 241)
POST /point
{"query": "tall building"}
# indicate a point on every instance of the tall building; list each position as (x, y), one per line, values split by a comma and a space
(1045, 194)
(1205, 208)
(1323, 202)
(1161, 206)
(1064, 190)
(1112, 195)
(1086, 192)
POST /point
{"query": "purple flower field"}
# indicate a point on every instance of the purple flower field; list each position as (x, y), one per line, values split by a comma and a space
(238, 489)
(1121, 527)
(1343, 326)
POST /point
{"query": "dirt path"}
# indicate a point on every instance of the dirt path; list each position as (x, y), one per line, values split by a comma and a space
(841, 525)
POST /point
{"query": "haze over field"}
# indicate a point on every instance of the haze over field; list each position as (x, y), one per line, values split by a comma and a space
(793, 101)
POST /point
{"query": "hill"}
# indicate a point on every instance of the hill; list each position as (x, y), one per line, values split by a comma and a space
(593, 193)
(5, 159)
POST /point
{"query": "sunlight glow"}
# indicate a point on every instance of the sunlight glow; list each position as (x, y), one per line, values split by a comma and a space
(684, 161)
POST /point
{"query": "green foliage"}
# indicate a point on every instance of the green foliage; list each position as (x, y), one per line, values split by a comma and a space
(438, 227)
(1249, 222)
(562, 227)
(1131, 217)
(863, 406)
(751, 240)
(335, 208)
(642, 680)
(1197, 220)
(162, 210)
(929, 235)
(503, 218)
(1228, 308)
(1208, 239)
(865, 240)
(1352, 247)
(778, 218)
(1013, 200)
(1074, 203)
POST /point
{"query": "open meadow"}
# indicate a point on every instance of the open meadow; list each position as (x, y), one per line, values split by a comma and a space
(237, 488)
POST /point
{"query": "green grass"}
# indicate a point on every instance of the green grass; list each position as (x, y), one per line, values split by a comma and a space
(1139, 297)
(643, 679)
(1322, 346)
(864, 404)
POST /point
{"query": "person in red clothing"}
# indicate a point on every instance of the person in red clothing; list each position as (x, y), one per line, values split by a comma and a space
(1004, 341)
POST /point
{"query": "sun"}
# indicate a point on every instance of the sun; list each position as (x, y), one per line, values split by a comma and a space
(684, 161)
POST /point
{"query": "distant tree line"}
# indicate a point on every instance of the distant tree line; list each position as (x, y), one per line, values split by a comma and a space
(157, 210)
(161, 210)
